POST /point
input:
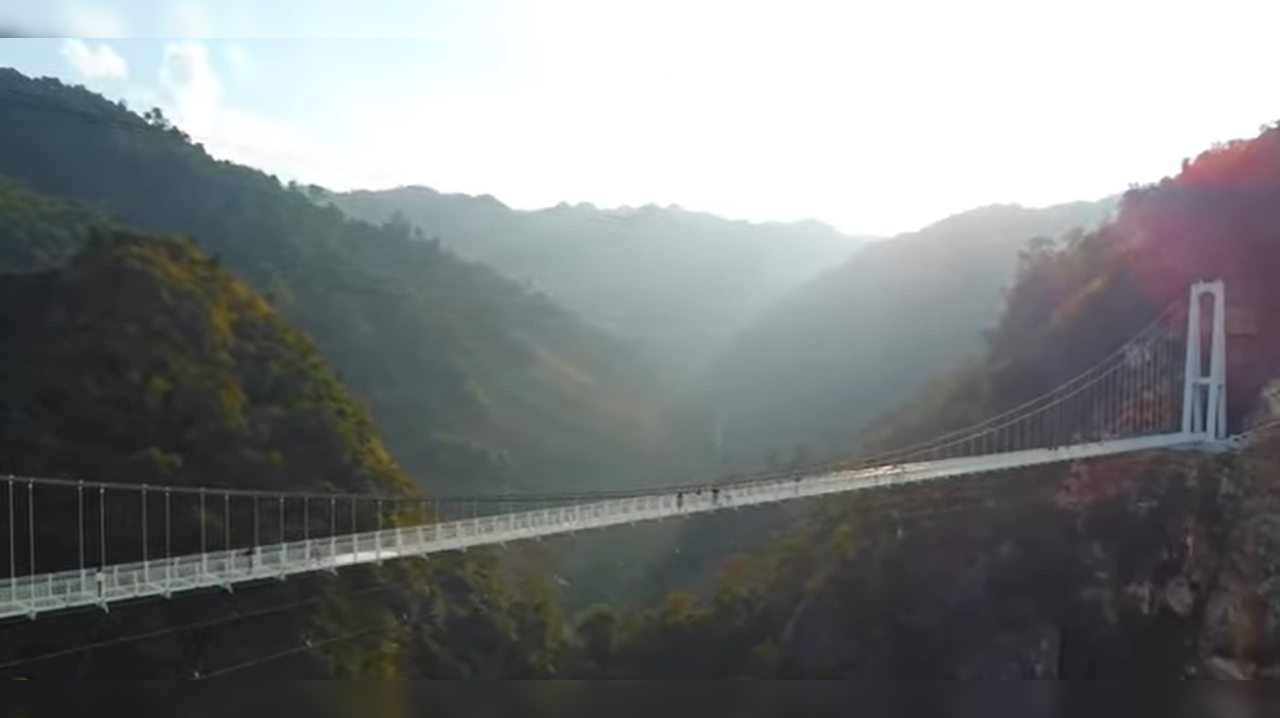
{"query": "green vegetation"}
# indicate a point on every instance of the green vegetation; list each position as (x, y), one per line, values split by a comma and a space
(991, 579)
(41, 232)
(144, 360)
(477, 383)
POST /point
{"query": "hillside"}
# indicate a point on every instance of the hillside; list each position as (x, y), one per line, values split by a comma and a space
(680, 282)
(144, 360)
(477, 383)
(868, 335)
(102, 378)
(1156, 566)
(39, 232)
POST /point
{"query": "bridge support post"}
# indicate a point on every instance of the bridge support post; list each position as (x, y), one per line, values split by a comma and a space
(1204, 392)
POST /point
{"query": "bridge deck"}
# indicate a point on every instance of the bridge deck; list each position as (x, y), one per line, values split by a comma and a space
(32, 595)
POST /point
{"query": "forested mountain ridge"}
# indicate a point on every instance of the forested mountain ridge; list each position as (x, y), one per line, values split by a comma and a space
(680, 282)
(477, 383)
(143, 360)
(86, 340)
(866, 336)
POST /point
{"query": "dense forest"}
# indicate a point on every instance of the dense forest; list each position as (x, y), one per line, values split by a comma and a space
(681, 283)
(477, 383)
(276, 340)
(142, 359)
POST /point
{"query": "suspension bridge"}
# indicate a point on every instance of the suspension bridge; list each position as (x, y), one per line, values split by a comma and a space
(1165, 388)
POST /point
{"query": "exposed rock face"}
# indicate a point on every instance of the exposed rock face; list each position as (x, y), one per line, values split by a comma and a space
(1240, 636)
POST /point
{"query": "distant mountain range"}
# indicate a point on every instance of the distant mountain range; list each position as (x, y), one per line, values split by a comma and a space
(788, 336)
(681, 282)
(870, 334)
(813, 374)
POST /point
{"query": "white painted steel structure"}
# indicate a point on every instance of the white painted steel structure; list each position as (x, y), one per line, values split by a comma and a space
(1120, 402)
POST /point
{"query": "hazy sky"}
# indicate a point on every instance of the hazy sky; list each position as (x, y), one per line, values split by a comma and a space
(875, 116)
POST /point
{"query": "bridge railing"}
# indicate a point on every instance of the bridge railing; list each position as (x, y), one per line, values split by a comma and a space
(35, 594)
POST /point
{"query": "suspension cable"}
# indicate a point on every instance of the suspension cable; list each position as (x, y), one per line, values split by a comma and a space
(122, 640)
(304, 648)
(1082, 376)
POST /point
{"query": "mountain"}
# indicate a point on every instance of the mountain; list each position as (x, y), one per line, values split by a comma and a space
(814, 375)
(1161, 565)
(681, 282)
(144, 360)
(102, 378)
(864, 337)
(478, 384)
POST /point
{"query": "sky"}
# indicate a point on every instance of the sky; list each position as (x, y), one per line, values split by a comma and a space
(877, 117)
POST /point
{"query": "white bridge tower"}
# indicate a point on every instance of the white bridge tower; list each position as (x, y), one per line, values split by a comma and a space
(1204, 394)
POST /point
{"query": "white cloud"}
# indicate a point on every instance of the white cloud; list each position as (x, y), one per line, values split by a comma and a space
(90, 18)
(239, 59)
(192, 96)
(188, 79)
(94, 62)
